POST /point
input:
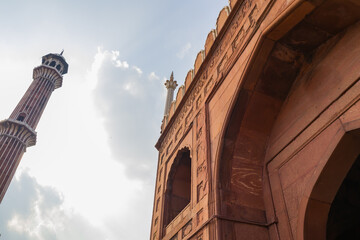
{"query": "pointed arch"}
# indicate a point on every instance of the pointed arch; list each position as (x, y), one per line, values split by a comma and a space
(178, 186)
(324, 186)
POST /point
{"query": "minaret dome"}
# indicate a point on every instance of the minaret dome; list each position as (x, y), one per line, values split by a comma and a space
(56, 61)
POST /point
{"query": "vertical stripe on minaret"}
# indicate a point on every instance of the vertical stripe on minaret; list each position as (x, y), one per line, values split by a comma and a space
(18, 131)
(170, 86)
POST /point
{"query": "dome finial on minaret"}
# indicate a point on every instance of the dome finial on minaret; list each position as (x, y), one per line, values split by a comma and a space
(62, 52)
(170, 86)
(172, 76)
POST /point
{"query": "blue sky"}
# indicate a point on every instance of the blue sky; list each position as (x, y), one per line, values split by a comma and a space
(91, 174)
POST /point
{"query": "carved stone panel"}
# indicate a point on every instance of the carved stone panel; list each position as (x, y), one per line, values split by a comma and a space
(200, 217)
(201, 169)
(201, 191)
(187, 229)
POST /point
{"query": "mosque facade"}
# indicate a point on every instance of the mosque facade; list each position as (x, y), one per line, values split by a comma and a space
(263, 139)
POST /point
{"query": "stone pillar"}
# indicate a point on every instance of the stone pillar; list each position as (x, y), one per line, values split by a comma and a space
(18, 131)
(170, 86)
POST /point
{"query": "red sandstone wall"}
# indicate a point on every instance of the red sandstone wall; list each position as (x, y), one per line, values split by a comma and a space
(308, 127)
(307, 120)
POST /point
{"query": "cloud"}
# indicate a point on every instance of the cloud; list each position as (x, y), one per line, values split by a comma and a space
(122, 64)
(135, 221)
(184, 51)
(116, 61)
(138, 70)
(131, 106)
(31, 211)
(153, 76)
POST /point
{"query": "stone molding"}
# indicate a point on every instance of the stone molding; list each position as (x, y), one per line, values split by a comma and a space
(18, 130)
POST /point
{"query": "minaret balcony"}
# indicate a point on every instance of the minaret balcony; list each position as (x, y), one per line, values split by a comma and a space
(18, 130)
(49, 73)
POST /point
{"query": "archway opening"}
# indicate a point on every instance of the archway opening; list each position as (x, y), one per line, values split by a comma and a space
(178, 193)
(344, 215)
(333, 206)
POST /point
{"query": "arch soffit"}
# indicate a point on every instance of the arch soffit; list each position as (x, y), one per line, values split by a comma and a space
(266, 46)
(262, 47)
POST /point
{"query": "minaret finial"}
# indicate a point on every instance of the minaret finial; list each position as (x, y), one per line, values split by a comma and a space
(170, 86)
(172, 76)
(62, 52)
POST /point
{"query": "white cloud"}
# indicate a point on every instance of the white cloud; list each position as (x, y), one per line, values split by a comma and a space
(122, 64)
(153, 76)
(184, 51)
(36, 212)
(138, 70)
(131, 108)
(118, 63)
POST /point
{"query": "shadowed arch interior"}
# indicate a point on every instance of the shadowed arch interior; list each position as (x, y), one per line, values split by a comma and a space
(344, 216)
(178, 188)
(335, 196)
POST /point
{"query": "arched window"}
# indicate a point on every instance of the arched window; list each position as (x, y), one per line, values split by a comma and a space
(58, 67)
(21, 117)
(52, 64)
(178, 189)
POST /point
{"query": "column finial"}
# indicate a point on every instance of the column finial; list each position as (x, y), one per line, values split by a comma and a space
(170, 86)
(171, 83)
(172, 76)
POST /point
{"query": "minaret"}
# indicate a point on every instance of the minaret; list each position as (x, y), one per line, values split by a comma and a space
(18, 131)
(170, 86)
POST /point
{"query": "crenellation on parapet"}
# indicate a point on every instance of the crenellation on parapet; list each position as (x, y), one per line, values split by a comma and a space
(232, 3)
(209, 41)
(180, 94)
(223, 15)
(199, 60)
(188, 79)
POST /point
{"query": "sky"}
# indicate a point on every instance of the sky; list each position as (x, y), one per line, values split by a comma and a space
(91, 174)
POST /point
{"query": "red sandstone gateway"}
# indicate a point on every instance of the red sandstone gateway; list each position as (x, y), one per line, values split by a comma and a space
(263, 140)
